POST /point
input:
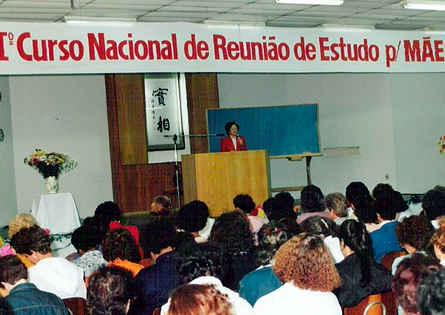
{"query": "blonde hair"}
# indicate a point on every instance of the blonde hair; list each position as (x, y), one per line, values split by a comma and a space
(337, 202)
(22, 220)
(438, 238)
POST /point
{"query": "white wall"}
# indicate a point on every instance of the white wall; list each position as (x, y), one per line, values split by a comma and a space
(8, 201)
(418, 103)
(395, 119)
(63, 114)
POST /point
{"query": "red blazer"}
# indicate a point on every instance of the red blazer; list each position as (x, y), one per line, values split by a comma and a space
(226, 144)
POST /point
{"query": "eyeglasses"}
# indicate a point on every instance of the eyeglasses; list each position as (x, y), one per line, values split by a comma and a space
(234, 128)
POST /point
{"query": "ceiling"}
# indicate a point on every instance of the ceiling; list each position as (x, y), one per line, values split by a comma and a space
(378, 14)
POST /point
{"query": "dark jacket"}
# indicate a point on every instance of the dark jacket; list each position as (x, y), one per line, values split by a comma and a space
(26, 299)
(352, 290)
(154, 284)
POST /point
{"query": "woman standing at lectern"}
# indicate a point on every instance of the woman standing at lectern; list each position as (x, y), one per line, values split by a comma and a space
(233, 142)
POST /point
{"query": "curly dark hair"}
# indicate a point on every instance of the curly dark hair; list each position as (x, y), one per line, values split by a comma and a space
(231, 231)
(86, 238)
(244, 202)
(415, 231)
(281, 206)
(192, 217)
(320, 226)
(229, 125)
(406, 281)
(354, 235)
(312, 199)
(433, 204)
(431, 294)
(11, 270)
(203, 259)
(271, 236)
(305, 261)
(199, 299)
(109, 290)
(31, 239)
(119, 243)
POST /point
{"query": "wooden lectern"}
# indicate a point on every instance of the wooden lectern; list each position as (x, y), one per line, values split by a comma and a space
(216, 178)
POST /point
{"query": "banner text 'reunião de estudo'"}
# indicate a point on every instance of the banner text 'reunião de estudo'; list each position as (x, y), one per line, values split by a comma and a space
(181, 47)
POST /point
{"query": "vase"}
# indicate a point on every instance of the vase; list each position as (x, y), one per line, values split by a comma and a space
(51, 184)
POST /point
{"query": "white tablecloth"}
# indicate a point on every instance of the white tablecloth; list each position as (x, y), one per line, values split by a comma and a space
(58, 213)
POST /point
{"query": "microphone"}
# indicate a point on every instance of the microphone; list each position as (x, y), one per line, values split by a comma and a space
(220, 135)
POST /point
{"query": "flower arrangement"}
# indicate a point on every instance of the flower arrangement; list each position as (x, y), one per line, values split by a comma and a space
(441, 144)
(50, 164)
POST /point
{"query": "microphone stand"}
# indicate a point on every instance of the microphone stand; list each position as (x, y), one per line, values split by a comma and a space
(175, 145)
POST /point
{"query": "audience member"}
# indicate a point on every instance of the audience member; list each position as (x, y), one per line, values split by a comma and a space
(192, 218)
(155, 283)
(309, 275)
(327, 230)
(110, 291)
(21, 220)
(337, 209)
(86, 240)
(438, 241)
(407, 279)
(414, 234)
(359, 274)
(231, 231)
(120, 250)
(279, 207)
(433, 204)
(106, 213)
(246, 204)
(365, 212)
(312, 203)
(161, 207)
(384, 239)
(354, 191)
(382, 189)
(23, 297)
(194, 299)
(51, 274)
(205, 263)
(263, 280)
(431, 294)
(291, 225)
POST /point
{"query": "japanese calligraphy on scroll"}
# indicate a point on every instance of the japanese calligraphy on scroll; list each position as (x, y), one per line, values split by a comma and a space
(163, 111)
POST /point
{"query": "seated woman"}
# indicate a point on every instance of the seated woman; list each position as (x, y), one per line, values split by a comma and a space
(414, 234)
(232, 142)
(360, 275)
(231, 231)
(312, 203)
(192, 218)
(120, 250)
(205, 264)
(327, 230)
(409, 275)
(263, 280)
(309, 275)
(195, 299)
(438, 241)
(161, 207)
(86, 240)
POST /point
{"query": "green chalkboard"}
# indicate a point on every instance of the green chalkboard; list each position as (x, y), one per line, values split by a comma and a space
(282, 130)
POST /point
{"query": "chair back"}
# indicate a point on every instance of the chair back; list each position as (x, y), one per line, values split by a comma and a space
(388, 298)
(77, 306)
(371, 305)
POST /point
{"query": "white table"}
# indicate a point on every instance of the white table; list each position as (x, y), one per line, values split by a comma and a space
(58, 213)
